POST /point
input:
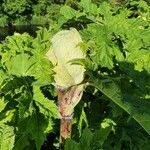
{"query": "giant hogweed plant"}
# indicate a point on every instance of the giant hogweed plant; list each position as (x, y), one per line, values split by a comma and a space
(113, 112)
(68, 77)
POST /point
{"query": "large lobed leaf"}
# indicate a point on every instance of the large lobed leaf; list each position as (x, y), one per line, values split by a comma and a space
(137, 109)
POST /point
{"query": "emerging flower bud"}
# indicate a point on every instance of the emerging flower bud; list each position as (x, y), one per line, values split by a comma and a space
(65, 47)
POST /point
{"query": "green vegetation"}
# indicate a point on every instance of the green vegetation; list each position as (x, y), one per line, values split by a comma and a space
(114, 111)
(21, 12)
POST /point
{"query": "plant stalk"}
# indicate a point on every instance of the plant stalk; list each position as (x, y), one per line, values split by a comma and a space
(65, 131)
(66, 121)
(67, 100)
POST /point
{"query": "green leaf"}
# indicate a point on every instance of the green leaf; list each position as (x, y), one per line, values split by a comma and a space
(21, 142)
(113, 92)
(86, 140)
(71, 145)
(2, 76)
(7, 116)
(140, 60)
(20, 65)
(47, 107)
(2, 104)
(36, 126)
(101, 135)
(89, 7)
(89, 140)
(24, 104)
(42, 71)
(105, 49)
(67, 12)
(33, 128)
(82, 119)
(17, 43)
(3, 20)
(7, 137)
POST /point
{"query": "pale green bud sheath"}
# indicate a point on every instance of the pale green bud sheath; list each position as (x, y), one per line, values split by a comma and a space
(65, 47)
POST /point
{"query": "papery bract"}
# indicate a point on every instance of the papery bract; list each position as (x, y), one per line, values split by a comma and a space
(65, 47)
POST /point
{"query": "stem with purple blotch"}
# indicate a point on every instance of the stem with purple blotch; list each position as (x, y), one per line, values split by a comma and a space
(67, 100)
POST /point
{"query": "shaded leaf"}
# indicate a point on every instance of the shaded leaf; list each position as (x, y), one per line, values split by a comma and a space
(6, 137)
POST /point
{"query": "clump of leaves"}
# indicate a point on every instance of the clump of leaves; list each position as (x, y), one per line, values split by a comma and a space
(116, 44)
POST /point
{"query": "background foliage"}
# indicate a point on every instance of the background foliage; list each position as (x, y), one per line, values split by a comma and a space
(114, 111)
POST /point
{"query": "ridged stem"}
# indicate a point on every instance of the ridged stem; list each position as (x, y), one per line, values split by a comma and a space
(65, 131)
